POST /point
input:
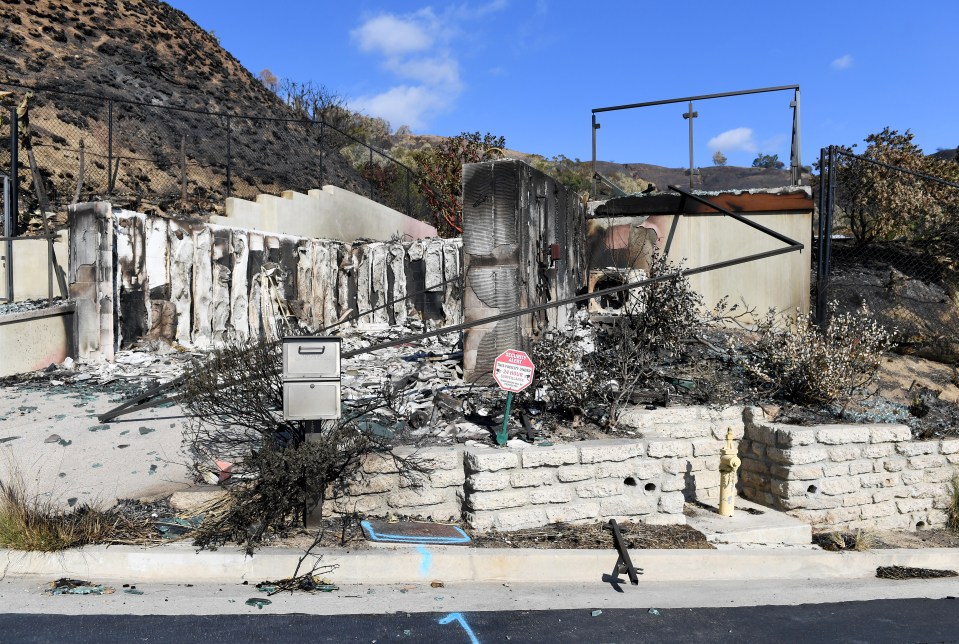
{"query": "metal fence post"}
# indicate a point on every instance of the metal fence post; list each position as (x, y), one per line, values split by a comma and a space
(370, 172)
(8, 231)
(830, 201)
(229, 157)
(14, 173)
(409, 205)
(690, 115)
(820, 227)
(110, 146)
(795, 154)
(322, 127)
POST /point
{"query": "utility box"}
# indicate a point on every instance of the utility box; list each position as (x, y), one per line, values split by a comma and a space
(311, 378)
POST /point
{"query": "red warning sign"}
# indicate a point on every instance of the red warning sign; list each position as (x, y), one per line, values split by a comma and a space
(513, 370)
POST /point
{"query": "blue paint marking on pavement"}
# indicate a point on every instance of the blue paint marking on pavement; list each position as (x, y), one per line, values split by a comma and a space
(402, 538)
(458, 617)
(427, 561)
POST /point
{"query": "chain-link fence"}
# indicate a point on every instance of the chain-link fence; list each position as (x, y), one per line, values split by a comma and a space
(88, 147)
(887, 239)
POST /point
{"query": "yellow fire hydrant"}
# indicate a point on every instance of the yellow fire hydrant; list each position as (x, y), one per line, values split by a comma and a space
(728, 465)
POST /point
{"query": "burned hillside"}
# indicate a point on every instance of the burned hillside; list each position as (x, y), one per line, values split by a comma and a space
(173, 87)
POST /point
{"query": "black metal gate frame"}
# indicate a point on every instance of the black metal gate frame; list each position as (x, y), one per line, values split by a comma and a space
(149, 398)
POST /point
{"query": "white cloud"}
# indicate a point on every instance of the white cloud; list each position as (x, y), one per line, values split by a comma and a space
(393, 36)
(740, 138)
(441, 70)
(843, 62)
(417, 49)
(405, 105)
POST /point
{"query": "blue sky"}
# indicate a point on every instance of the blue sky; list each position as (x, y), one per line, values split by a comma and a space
(532, 70)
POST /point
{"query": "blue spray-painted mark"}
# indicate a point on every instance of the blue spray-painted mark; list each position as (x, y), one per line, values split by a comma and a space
(458, 617)
(402, 538)
(427, 561)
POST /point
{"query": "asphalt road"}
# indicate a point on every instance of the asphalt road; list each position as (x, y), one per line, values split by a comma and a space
(905, 620)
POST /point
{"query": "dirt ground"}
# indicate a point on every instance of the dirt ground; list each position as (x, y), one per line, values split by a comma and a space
(883, 539)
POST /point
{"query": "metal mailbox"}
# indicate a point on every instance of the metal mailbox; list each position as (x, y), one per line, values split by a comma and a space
(311, 378)
(311, 358)
(319, 400)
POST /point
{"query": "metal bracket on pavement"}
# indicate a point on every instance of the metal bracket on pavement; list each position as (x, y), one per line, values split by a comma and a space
(623, 563)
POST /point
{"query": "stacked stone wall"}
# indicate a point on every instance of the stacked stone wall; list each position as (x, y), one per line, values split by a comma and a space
(642, 479)
(849, 476)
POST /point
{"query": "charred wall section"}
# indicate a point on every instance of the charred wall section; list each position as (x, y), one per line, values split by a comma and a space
(199, 285)
(523, 245)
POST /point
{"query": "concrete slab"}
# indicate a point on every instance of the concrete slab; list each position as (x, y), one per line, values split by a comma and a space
(50, 435)
(751, 524)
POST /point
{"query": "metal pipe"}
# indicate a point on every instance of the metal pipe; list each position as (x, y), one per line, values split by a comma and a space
(702, 97)
(593, 166)
(739, 218)
(796, 152)
(573, 300)
(928, 177)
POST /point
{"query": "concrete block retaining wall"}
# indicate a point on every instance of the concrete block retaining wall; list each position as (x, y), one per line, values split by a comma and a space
(648, 478)
(834, 476)
(849, 476)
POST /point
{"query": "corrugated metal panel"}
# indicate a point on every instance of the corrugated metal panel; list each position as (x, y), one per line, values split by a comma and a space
(506, 225)
(497, 286)
(478, 216)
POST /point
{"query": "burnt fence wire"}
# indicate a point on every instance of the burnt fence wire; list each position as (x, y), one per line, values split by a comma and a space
(888, 237)
(88, 147)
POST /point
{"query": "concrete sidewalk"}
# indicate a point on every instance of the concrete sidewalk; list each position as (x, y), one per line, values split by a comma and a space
(181, 563)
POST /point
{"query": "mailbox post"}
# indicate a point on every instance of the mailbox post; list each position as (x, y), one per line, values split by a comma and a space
(311, 378)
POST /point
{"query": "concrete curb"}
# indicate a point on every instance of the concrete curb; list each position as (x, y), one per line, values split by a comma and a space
(179, 563)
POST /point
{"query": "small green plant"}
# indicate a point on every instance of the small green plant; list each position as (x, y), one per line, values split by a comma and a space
(952, 521)
(37, 524)
(798, 361)
(864, 540)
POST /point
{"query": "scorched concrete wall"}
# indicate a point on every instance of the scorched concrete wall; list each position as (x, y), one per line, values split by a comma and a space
(196, 284)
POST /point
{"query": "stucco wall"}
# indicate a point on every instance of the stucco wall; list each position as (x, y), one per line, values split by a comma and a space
(34, 340)
(330, 213)
(30, 262)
